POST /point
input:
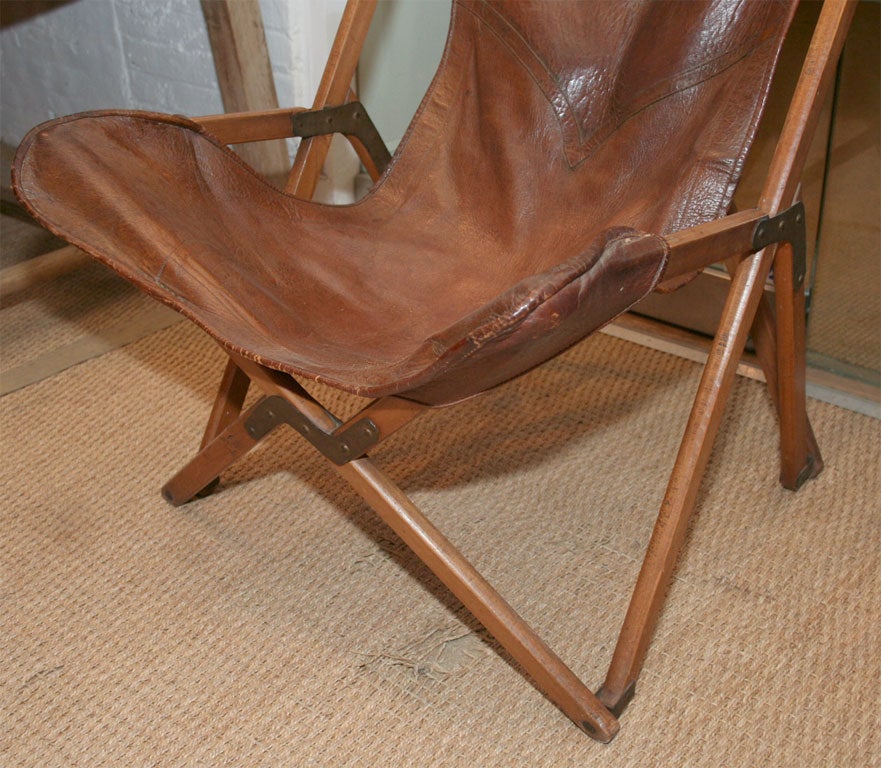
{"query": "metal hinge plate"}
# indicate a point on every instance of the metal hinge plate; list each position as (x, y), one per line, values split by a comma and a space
(786, 227)
(339, 447)
(349, 119)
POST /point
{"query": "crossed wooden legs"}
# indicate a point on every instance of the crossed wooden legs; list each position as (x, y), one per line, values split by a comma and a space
(800, 457)
(231, 432)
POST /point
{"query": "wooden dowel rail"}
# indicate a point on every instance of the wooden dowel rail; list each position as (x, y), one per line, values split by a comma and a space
(243, 127)
(41, 269)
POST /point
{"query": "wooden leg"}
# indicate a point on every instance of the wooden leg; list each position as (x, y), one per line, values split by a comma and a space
(228, 402)
(799, 457)
(227, 406)
(201, 472)
(804, 454)
(550, 674)
(691, 461)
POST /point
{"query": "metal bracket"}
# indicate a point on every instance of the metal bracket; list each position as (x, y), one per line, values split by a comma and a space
(786, 227)
(339, 447)
(349, 119)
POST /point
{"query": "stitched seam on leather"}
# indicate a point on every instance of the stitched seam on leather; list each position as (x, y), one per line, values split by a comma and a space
(576, 147)
(610, 126)
(679, 82)
(537, 70)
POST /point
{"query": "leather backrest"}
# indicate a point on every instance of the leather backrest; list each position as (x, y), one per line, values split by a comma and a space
(600, 64)
(598, 113)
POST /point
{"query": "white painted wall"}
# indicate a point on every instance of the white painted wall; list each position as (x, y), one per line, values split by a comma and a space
(401, 54)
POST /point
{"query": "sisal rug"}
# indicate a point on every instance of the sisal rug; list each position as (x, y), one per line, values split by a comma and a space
(278, 623)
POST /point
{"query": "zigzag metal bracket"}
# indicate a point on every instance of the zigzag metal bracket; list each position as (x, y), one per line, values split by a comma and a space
(786, 227)
(339, 447)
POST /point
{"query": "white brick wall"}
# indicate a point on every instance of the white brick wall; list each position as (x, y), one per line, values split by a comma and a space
(145, 54)
(168, 62)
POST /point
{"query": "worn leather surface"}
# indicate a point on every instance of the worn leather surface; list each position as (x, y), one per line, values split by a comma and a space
(525, 208)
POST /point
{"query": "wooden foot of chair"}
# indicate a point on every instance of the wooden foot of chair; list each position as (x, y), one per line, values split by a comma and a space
(200, 474)
(616, 701)
(799, 457)
(806, 461)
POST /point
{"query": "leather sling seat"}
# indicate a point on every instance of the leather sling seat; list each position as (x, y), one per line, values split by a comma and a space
(525, 208)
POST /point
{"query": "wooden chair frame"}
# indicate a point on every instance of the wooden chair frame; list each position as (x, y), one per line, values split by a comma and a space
(750, 241)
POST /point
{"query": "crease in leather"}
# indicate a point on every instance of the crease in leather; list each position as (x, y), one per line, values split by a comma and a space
(574, 310)
(510, 310)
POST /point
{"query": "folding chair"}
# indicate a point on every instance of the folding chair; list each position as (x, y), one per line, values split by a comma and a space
(568, 158)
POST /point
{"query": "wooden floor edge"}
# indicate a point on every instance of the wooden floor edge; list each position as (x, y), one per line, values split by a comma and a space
(823, 385)
(40, 269)
(50, 363)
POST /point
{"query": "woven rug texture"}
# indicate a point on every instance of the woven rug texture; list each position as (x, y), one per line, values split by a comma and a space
(279, 623)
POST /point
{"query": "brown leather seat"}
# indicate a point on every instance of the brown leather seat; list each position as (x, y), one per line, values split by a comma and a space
(509, 226)
(567, 157)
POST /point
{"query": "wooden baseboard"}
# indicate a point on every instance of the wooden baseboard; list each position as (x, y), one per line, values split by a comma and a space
(40, 269)
(822, 384)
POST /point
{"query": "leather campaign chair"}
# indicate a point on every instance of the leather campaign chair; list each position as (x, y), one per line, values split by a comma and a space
(568, 159)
